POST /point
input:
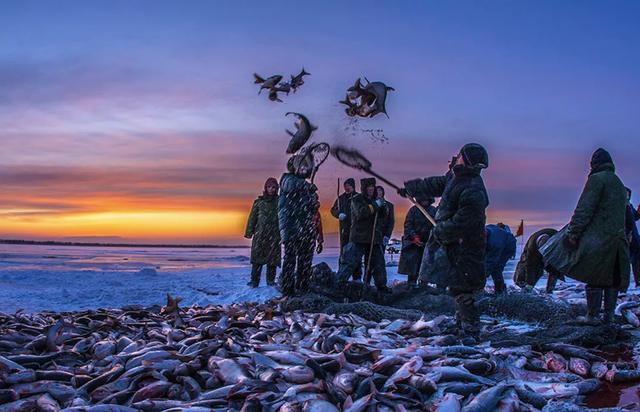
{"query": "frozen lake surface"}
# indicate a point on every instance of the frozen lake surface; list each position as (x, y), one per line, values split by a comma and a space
(66, 278)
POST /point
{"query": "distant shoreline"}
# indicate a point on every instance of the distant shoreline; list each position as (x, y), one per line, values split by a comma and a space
(129, 245)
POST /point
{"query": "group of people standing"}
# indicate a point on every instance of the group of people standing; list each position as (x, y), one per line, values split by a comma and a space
(460, 251)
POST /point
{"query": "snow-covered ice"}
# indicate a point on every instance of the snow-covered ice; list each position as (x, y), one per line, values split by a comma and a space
(64, 278)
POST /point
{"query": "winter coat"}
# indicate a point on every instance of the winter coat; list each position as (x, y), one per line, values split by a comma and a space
(459, 231)
(531, 259)
(415, 224)
(632, 230)
(317, 223)
(262, 227)
(363, 214)
(598, 224)
(297, 205)
(343, 205)
(389, 220)
(501, 247)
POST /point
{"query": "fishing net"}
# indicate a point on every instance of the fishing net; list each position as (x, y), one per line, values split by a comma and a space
(317, 153)
(351, 157)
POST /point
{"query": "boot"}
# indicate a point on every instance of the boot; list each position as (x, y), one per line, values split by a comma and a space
(498, 284)
(610, 300)
(468, 316)
(271, 275)
(594, 304)
(551, 284)
(255, 276)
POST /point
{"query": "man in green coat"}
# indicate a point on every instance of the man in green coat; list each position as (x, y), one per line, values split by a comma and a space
(596, 234)
(262, 226)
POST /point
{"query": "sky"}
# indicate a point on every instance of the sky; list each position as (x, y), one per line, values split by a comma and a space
(139, 121)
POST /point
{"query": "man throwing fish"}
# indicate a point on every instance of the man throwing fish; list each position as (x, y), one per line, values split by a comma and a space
(460, 228)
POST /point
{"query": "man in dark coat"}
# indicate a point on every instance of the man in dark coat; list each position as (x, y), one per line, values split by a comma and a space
(596, 234)
(262, 227)
(366, 237)
(531, 266)
(297, 206)
(341, 210)
(459, 231)
(389, 219)
(634, 238)
(501, 247)
(417, 229)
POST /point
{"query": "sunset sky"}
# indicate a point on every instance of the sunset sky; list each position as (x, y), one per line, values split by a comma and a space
(139, 120)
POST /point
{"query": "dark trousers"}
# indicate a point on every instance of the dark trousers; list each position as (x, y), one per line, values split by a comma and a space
(498, 281)
(256, 272)
(353, 254)
(635, 266)
(344, 241)
(534, 275)
(296, 267)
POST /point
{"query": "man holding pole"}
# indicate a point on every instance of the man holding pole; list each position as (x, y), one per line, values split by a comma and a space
(459, 230)
(341, 210)
(366, 237)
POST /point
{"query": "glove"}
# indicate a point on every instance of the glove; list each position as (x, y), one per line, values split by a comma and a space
(379, 203)
(570, 242)
(342, 216)
(385, 241)
(403, 192)
(319, 248)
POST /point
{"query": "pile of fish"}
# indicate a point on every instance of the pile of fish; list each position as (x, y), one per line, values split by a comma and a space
(275, 85)
(258, 358)
(368, 100)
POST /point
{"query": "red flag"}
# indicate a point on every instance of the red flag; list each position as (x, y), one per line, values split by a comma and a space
(520, 231)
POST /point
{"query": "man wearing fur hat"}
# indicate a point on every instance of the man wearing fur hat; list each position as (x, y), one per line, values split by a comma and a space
(341, 210)
(366, 236)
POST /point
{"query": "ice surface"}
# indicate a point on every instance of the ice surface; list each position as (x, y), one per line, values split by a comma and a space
(63, 278)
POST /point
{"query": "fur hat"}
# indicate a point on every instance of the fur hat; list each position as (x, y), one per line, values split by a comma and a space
(367, 182)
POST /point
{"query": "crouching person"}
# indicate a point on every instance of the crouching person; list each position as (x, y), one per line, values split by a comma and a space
(368, 216)
(596, 234)
(262, 228)
(531, 266)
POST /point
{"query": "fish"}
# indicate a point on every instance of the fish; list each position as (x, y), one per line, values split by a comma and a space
(579, 366)
(379, 90)
(631, 318)
(298, 79)
(625, 306)
(449, 403)
(598, 370)
(488, 399)
(405, 372)
(304, 130)
(450, 373)
(622, 376)
(371, 98)
(268, 83)
(555, 362)
(572, 350)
